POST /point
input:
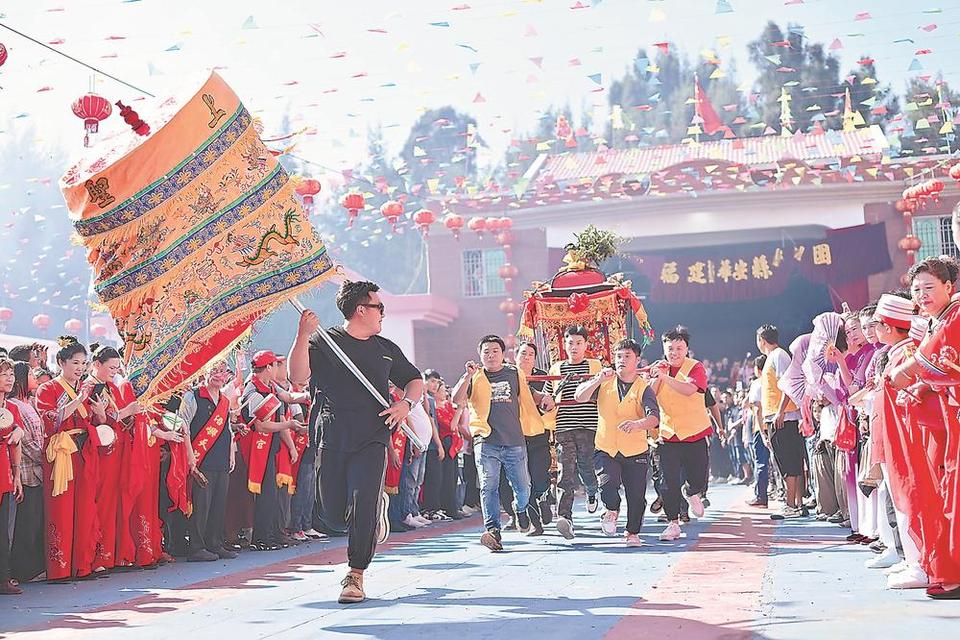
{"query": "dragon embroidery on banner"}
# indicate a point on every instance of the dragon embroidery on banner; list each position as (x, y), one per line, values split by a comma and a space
(263, 251)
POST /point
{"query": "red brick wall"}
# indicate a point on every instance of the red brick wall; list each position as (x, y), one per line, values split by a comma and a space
(447, 348)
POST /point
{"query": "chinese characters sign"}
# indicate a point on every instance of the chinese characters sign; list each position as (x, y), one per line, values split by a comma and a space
(740, 272)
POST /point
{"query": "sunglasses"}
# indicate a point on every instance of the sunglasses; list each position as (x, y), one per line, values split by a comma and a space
(379, 306)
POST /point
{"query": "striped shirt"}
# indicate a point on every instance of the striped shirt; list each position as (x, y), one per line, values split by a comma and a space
(582, 415)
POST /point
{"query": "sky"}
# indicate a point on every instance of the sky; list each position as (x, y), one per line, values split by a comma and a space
(341, 68)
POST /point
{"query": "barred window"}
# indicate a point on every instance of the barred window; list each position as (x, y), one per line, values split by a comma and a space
(936, 237)
(481, 273)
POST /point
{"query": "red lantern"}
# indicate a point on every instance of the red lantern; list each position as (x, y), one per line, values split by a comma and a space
(423, 219)
(41, 321)
(352, 202)
(905, 206)
(492, 224)
(92, 109)
(508, 306)
(453, 222)
(510, 340)
(307, 189)
(391, 210)
(477, 225)
(73, 325)
(955, 171)
(3, 54)
(6, 314)
(909, 243)
(508, 271)
(506, 223)
(98, 330)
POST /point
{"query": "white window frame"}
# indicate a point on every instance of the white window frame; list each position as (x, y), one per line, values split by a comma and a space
(485, 282)
(936, 237)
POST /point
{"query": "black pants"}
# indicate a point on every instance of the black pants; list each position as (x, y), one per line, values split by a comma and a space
(432, 482)
(471, 494)
(538, 464)
(27, 558)
(205, 524)
(350, 487)
(5, 501)
(679, 461)
(448, 480)
(631, 473)
(174, 522)
(266, 509)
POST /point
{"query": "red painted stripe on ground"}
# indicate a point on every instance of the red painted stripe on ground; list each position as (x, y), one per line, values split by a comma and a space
(713, 591)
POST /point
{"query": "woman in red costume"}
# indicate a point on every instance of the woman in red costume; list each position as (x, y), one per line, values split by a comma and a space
(932, 285)
(70, 416)
(105, 371)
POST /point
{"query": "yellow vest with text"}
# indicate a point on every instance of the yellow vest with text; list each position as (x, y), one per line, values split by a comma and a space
(550, 418)
(682, 416)
(531, 422)
(613, 411)
(770, 394)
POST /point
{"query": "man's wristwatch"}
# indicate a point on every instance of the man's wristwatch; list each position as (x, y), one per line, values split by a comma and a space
(408, 401)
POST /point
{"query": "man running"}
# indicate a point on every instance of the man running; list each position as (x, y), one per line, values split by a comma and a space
(628, 411)
(575, 427)
(353, 445)
(503, 411)
(680, 383)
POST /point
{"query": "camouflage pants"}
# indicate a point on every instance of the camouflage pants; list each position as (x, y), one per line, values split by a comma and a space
(575, 454)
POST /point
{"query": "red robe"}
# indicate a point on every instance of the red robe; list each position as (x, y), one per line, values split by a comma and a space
(72, 526)
(940, 355)
(903, 427)
(108, 486)
(138, 526)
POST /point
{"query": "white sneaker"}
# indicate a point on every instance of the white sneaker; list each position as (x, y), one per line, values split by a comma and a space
(888, 558)
(696, 505)
(912, 577)
(468, 510)
(299, 536)
(316, 535)
(565, 527)
(897, 568)
(410, 521)
(608, 522)
(672, 532)
(423, 521)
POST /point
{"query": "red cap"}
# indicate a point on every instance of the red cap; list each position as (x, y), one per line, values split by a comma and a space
(263, 358)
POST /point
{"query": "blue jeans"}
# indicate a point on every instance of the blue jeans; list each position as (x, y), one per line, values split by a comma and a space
(761, 467)
(411, 477)
(513, 460)
(301, 503)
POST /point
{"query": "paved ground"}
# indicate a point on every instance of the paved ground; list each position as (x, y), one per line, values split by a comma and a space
(736, 574)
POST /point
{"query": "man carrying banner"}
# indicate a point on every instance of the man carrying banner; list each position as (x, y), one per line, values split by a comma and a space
(353, 445)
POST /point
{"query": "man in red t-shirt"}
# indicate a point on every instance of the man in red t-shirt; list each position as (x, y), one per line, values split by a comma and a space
(680, 382)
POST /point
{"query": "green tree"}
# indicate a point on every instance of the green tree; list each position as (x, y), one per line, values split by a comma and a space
(876, 103)
(928, 105)
(442, 146)
(810, 75)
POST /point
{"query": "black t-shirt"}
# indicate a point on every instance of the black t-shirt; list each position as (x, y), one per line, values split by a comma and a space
(504, 418)
(353, 411)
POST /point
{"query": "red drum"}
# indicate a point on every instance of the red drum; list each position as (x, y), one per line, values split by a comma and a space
(267, 409)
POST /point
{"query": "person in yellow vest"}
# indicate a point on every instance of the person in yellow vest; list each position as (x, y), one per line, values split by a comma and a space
(628, 412)
(575, 426)
(503, 412)
(782, 419)
(680, 383)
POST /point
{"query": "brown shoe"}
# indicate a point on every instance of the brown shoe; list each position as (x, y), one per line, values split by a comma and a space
(8, 588)
(352, 589)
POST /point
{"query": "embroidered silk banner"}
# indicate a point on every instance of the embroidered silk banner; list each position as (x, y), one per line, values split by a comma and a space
(193, 234)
